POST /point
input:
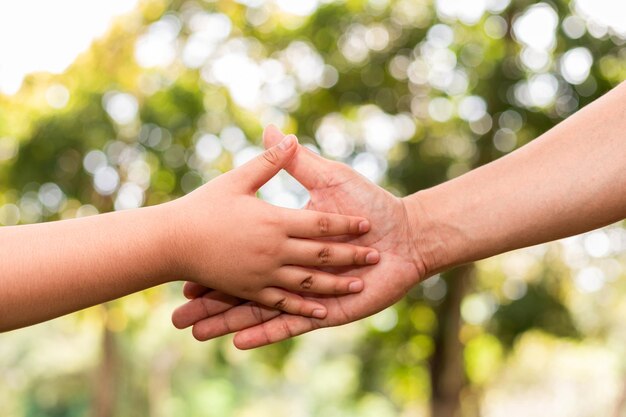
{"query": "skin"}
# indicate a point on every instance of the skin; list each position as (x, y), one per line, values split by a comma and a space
(570, 180)
(219, 236)
(334, 188)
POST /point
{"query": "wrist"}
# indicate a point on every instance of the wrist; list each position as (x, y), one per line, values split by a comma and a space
(192, 236)
(428, 245)
(169, 241)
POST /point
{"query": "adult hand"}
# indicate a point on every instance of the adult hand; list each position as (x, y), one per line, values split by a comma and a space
(333, 188)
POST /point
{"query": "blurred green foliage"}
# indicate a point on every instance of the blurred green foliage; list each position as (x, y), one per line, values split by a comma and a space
(407, 93)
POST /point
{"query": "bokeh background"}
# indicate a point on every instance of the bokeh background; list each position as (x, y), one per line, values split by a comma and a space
(408, 92)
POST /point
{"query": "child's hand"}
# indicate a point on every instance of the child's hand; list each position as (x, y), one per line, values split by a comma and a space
(233, 242)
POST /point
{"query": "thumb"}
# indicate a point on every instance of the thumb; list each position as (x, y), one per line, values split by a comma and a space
(261, 169)
(307, 167)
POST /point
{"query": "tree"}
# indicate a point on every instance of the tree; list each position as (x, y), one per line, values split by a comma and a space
(409, 93)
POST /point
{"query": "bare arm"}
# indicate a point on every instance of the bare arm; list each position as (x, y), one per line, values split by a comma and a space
(220, 236)
(570, 180)
(54, 268)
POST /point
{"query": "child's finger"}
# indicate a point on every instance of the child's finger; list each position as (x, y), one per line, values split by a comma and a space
(290, 303)
(294, 278)
(310, 224)
(324, 253)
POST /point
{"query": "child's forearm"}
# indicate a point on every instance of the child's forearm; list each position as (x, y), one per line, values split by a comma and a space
(52, 269)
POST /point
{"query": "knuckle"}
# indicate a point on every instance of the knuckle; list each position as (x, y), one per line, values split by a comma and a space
(324, 224)
(286, 329)
(271, 157)
(226, 324)
(272, 220)
(281, 304)
(264, 248)
(324, 255)
(271, 249)
(257, 313)
(352, 225)
(307, 282)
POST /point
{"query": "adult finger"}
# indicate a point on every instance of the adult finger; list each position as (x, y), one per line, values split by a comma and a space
(232, 320)
(310, 169)
(209, 304)
(192, 290)
(280, 328)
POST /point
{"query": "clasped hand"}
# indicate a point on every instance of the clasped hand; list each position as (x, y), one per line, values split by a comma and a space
(263, 253)
(336, 191)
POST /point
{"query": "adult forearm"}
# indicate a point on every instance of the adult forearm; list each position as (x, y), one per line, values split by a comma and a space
(51, 269)
(570, 180)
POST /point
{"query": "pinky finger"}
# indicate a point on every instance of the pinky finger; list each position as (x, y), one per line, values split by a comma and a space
(290, 303)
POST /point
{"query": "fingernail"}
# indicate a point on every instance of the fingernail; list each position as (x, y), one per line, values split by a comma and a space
(364, 226)
(372, 257)
(319, 313)
(287, 142)
(355, 286)
(276, 128)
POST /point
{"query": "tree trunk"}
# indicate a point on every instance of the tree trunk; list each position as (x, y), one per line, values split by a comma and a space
(106, 376)
(159, 383)
(447, 374)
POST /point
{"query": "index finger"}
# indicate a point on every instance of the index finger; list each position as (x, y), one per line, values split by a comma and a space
(314, 224)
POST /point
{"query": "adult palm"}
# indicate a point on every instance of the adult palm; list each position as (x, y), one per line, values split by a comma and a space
(334, 188)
